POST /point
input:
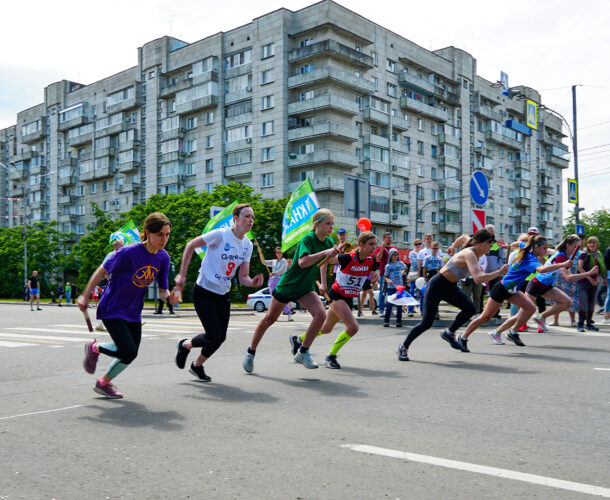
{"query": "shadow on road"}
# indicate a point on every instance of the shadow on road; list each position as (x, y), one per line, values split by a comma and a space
(130, 414)
(462, 365)
(324, 387)
(365, 372)
(572, 348)
(228, 393)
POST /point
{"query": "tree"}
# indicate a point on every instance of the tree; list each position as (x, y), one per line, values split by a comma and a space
(596, 224)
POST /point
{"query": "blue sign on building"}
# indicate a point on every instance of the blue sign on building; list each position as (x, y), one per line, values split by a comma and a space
(479, 188)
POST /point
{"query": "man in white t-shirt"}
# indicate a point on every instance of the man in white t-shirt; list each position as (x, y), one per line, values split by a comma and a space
(424, 252)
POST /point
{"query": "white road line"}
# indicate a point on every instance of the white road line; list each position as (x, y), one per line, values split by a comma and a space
(603, 369)
(42, 337)
(56, 330)
(482, 469)
(40, 412)
(6, 343)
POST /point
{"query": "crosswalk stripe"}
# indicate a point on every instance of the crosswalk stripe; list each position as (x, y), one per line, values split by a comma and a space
(42, 337)
(58, 330)
(4, 343)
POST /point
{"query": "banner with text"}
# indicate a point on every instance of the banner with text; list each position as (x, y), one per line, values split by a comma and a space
(302, 205)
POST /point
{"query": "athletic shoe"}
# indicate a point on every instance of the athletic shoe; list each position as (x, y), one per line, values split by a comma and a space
(592, 328)
(398, 325)
(32, 309)
(90, 361)
(496, 337)
(39, 309)
(305, 359)
(386, 325)
(450, 338)
(374, 313)
(606, 321)
(157, 312)
(573, 324)
(580, 329)
(463, 343)
(410, 315)
(524, 328)
(331, 362)
(403, 353)
(107, 390)
(514, 337)
(248, 363)
(295, 344)
(181, 354)
(199, 372)
(541, 324)
(554, 323)
(360, 315)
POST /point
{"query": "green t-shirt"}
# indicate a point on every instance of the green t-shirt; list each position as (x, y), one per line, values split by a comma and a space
(297, 281)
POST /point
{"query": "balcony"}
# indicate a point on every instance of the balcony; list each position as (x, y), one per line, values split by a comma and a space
(245, 169)
(375, 165)
(400, 124)
(333, 157)
(451, 183)
(445, 161)
(486, 112)
(132, 102)
(503, 140)
(376, 140)
(236, 121)
(170, 90)
(67, 162)
(415, 83)
(175, 133)
(545, 200)
(545, 188)
(26, 155)
(557, 161)
(129, 187)
(66, 199)
(210, 101)
(35, 169)
(450, 227)
(167, 180)
(321, 184)
(521, 201)
(376, 116)
(336, 76)
(334, 49)
(171, 156)
(68, 180)
(101, 152)
(35, 205)
(129, 166)
(524, 183)
(86, 176)
(102, 173)
(81, 139)
(36, 136)
(77, 121)
(325, 101)
(19, 172)
(240, 95)
(423, 109)
(449, 139)
(127, 145)
(238, 145)
(450, 205)
(66, 218)
(326, 129)
(111, 129)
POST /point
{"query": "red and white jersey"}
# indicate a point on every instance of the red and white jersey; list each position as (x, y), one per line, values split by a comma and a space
(351, 278)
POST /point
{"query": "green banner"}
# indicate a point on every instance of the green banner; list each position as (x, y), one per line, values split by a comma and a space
(221, 219)
(299, 212)
(127, 234)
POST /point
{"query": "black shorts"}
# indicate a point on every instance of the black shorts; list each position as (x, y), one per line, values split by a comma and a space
(337, 296)
(537, 289)
(367, 285)
(499, 293)
(283, 299)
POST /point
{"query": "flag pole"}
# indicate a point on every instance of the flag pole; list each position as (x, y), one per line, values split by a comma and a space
(260, 254)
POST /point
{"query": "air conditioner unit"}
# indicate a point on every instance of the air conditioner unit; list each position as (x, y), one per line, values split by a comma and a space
(394, 216)
(248, 89)
(394, 191)
(292, 156)
(394, 168)
(182, 177)
(248, 140)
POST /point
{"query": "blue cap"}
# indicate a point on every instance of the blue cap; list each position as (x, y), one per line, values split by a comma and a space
(341, 231)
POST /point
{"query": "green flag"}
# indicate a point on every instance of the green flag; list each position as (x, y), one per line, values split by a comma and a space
(302, 205)
(220, 220)
(127, 234)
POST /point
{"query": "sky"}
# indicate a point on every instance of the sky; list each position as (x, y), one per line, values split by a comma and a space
(548, 45)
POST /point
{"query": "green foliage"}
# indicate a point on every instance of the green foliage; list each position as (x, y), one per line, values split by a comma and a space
(596, 224)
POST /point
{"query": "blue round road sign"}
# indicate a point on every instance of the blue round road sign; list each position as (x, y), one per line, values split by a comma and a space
(479, 188)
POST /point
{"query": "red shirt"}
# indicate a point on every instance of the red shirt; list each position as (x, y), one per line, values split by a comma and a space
(384, 257)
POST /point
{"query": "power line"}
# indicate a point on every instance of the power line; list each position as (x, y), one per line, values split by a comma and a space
(594, 125)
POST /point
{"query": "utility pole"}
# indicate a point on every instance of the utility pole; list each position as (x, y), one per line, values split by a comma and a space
(575, 149)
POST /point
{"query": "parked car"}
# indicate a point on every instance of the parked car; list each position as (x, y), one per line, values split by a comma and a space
(260, 300)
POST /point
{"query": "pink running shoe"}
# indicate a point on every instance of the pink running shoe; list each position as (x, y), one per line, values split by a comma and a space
(541, 324)
(90, 361)
(107, 389)
(524, 328)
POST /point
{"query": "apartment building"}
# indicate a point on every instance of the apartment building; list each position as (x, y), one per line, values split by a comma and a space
(381, 126)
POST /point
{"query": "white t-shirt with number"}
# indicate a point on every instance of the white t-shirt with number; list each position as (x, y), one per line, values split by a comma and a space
(224, 254)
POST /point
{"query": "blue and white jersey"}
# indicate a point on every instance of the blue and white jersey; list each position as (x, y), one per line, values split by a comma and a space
(519, 271)
(548, 279)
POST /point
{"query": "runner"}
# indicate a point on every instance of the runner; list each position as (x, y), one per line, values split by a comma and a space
(443, 286)
(543, 285)
(228, 249)
(354, 267)
(34, 290)
(298, 284)
(116, 244)
(526, 262)
(131, 270)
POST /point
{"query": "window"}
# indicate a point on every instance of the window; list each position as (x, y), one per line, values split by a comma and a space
(105, 186)
(209, 187)
(267, 102)
(375, 81)
(375, 58)
(420, 147)
(105, 205)
(267, 128)
(434, 194)
(306, 148)
(189, 168)
(238, 133)
(434, 218)
(238, 59)
(267, 51)
(433, 173)
(238, 83)
(190, 146)
(209, 141)
(380, 205)
(191, 123)
(209, 165)
(92, 188)
(267, 154)
(392, 90)
(434, 129)
(239, 108)
(305, 42)
(209, 117)
(266, 76)
(266, 180)
(433, 150)
(379, 179)
(420, 170)
(238, 157)
(420, 125)
(308, 68)
(391, 65)
(358, 73)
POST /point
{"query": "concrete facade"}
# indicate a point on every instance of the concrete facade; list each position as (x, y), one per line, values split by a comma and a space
(321, 93)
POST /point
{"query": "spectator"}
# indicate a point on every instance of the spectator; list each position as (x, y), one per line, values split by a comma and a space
(413, 272)
(381, 255)
(60, 293)
(34, 290)
(393, 277)
(68, 292)
(587, 287)
(607, 303)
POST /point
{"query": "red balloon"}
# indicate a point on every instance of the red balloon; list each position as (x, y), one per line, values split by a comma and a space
(364, 224)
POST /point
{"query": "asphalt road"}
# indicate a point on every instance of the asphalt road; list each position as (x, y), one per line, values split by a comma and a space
(499, 422)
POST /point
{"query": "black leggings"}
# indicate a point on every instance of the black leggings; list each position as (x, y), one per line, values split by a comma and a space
(126, 336)
(439, 288)
(586, 304)
(214, 311)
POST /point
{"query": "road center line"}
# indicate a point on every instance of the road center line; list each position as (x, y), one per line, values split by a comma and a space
(40, 412)
(603, 369)
(482, 469)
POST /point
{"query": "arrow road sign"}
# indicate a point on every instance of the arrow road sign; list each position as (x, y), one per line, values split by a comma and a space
(479, 188)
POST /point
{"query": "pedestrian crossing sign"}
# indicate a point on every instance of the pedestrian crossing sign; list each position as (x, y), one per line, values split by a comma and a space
(531, 114)
(573, 191)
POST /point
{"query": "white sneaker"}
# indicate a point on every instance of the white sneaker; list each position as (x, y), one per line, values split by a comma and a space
(573, 323)
(606, 321)
(541, 324)
(305, 359)
(496, 337)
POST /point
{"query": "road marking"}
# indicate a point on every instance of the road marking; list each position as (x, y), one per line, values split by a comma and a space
(4, 343)
(40, 412)
(56, 330)
(603, 369)
(482, 469)
(42, 337)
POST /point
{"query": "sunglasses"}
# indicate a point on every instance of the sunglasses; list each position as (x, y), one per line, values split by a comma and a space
(417, 244)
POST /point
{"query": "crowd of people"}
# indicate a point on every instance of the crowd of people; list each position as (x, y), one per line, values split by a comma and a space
(470, 269)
